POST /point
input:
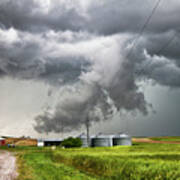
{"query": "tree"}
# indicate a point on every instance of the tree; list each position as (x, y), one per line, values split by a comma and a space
(72, 142)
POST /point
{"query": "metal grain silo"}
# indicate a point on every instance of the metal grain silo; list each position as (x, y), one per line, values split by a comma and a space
(102, 141)
(83, 138)
(122, 139)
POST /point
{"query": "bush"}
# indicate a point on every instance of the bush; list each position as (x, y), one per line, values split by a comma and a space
(72, 142)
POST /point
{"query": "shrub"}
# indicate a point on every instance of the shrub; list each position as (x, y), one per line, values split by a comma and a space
(72, 142)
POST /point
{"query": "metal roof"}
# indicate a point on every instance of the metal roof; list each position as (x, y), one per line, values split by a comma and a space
(82, 135)
(101, 135)
(51, 140)
(121, 135)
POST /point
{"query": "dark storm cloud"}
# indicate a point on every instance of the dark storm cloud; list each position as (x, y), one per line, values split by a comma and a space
(161, 70)
(24, 58)
(162, 44)
(2, 73)
(114, 16)
(125, 93)
(64, 71)
(85, 44)
(157, 57)
(108, 17)
(27, 15)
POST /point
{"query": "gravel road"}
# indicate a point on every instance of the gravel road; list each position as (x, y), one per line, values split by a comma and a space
(7, 166)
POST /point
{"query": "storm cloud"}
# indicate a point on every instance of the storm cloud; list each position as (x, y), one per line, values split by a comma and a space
(81, 48)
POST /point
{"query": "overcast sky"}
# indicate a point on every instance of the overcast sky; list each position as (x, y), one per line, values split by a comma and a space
(65, 61)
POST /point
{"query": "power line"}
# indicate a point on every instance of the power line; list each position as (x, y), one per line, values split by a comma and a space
(166, 45)
(142, 31)
(144, 27)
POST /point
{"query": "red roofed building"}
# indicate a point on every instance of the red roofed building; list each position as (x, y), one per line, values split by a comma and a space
(2, 142)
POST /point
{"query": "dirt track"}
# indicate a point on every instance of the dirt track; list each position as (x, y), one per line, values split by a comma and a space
(147, 140)
(7, 166)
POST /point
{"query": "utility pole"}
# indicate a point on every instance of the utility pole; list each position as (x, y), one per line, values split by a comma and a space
(87, 131)
(62, 130)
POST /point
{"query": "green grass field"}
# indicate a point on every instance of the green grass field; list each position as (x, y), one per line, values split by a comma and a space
(138, 162)
(40, 166)
(141, 161)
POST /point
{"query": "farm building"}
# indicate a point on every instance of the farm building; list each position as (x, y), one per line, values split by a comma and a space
(49, 142)
(2, 141)
(52, 142)
(99, 140)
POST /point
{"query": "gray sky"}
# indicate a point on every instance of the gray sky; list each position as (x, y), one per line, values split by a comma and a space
(61, 61)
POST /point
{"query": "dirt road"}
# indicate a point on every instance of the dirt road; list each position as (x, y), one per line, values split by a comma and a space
(7, 166)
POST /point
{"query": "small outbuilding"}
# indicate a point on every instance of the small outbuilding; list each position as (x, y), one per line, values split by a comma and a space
(2, 142)
(52, 142)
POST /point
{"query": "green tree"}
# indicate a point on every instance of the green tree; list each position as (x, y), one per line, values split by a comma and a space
(72, 142)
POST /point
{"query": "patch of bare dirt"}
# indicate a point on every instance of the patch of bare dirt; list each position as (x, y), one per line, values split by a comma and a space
(7, 166)
(147, 140)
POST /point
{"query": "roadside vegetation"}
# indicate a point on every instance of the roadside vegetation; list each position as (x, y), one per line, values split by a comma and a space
(142, 161)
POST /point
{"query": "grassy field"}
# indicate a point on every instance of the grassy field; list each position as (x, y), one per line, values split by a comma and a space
(141, 161)
(138, 162)
(40, 166)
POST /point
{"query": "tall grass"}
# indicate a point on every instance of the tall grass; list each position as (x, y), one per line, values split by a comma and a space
(152, 161)
(38, 165)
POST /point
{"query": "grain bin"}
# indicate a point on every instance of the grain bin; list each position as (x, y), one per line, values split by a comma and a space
(102, 140)
(122, 139)
(83, 138)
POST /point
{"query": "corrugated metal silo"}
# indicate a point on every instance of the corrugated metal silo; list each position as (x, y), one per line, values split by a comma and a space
(83, 138)
(102, 141)
(122, 139)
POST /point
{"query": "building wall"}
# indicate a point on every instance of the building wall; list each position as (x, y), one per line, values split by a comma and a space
(2, 142)
(101, 142)
(122, 141)
(52, 143)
